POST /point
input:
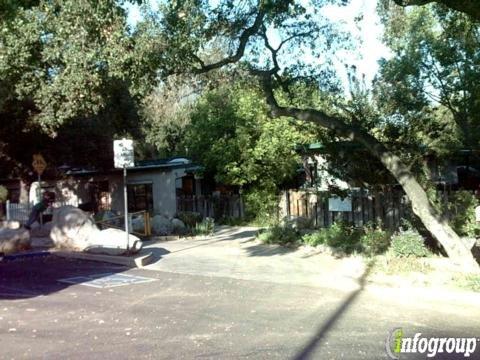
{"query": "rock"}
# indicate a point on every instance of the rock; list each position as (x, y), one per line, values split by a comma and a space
(138, 224)
(178, 226)
(161, 225)
(71, 228)
(41, 231)
(297, 222)
(112, 242)
(11, 224)
(13, 240)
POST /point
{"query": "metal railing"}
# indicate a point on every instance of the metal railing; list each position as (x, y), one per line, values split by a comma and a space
(138, 223)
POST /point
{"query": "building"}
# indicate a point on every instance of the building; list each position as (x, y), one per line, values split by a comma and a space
(152, 185)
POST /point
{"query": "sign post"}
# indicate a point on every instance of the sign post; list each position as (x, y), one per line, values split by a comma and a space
(39, 164)
(123, 158)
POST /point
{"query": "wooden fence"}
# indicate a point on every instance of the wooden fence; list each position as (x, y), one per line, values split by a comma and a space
(386, 208)
(217, 207)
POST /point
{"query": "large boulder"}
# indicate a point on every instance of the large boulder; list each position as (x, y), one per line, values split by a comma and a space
(72, 228)
(112, 242)
(14, 240)
(178, 226)
(10, 224)
(41, 231)
(138, 224)
(161, 225)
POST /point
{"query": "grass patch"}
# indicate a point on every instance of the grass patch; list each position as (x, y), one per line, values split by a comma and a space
(391, 265)
(468, 282)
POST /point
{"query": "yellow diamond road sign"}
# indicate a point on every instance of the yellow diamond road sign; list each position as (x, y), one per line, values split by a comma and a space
(39, 163)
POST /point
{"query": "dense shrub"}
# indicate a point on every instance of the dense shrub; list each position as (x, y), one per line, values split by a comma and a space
(316, 238)
(190, 218)
(3, 193)
(261, 206)
(374, 241)
(461, 207)
(340, 236)
(205, 227)
(279, 235)
(408, 244)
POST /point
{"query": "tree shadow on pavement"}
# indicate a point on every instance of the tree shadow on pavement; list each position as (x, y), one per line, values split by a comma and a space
(268, 250)
(41, 276)
(322, 331)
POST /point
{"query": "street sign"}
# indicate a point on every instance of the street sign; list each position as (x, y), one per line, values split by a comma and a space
(123, 153)
(123, 158)
(39, 164)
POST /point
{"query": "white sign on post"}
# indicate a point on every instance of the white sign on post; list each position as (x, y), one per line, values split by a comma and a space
(123, 153)
(123, 158)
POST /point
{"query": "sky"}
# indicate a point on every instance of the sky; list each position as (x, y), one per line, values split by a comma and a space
(368, 31)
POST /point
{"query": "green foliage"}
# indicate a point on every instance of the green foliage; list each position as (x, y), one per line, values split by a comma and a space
(315, 238)
(426, 90)
(261, 206)
(458, 208)
(3, 193)
(461, 206)
(339, 235)
(71, 76)
(404, 265)
(374, 241)
(205, 227)
(281, 235)
(469, 282)
(190, 218)
(231, 135)
(408, 244)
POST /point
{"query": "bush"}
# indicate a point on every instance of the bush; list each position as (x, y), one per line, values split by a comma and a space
(461, 206)
(3, 193)
(316, 238)
(279, 235)
(190, 218)
(408, 244)
(374, 241)
(340, 236)
(469, 282)
(261, 206)
(205, 227)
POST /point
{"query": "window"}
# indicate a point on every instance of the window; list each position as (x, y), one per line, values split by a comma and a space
(140, 197)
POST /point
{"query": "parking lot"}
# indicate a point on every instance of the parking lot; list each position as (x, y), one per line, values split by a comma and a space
(52, 308)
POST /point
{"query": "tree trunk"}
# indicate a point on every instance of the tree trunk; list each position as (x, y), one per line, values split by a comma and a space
(458, 252)
(440, 229)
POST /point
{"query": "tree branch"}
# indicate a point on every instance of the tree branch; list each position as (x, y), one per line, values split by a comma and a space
(469, 7)
(243, 40)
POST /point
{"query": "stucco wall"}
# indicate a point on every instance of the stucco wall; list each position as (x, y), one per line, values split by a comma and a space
(163, 188)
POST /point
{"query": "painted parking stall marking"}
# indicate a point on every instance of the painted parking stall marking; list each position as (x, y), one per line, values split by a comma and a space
(107, 280)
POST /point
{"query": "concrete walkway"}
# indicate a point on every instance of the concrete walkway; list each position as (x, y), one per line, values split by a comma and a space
(233, 252)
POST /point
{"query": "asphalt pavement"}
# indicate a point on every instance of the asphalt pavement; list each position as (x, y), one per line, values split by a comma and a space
(55, 308)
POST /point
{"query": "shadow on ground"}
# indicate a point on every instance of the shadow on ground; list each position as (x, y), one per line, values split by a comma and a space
(268, 250)
(39, 276)
(314, 344)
